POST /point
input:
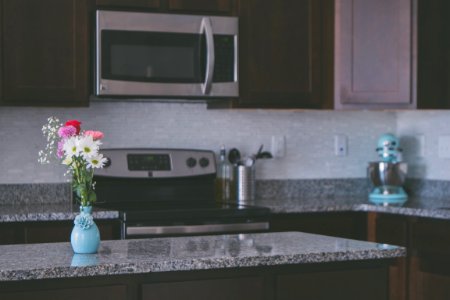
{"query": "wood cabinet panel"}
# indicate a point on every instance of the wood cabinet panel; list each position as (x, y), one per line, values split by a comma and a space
(280, 53)
(51, 231)
(431, 237)
(94, 293)
(250, 288)
(375, 54)
(352, 284)
(11, 234)
(433, 69)
(130, 3)
(433, 287)
(45, 52)
(392, 229)
(213, 6)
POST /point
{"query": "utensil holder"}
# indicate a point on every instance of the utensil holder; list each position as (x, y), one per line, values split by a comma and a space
(245, 184)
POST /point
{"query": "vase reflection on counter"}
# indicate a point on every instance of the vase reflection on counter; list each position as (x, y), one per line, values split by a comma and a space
(84, 260)
(85, 237)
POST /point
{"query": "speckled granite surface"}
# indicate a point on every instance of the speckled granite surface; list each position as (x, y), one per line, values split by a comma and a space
(420, 207)
(35, 193)
(48, 212)
(268, 189)
(18, 262)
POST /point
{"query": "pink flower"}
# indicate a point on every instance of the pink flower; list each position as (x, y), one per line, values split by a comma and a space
(96, 135)
(67, 131)
(60, 150)
(74, 123)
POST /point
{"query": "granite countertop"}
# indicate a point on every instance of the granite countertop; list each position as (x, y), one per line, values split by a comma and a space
(48, 212)
(56, 260)
(438, 208)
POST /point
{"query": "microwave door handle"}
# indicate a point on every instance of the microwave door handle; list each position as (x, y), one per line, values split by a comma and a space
(206, 28)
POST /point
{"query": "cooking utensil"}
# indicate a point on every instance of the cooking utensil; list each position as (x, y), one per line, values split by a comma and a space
(234, 156)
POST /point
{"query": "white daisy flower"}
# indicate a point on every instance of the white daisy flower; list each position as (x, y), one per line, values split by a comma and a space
(71, 147)
(88, 147)
(67, 160)
(97, 161)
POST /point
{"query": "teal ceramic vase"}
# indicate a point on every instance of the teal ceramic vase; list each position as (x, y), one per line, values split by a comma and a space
(85, 237)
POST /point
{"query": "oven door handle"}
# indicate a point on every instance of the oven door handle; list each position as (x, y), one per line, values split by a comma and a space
(196, 229)
(206, 28)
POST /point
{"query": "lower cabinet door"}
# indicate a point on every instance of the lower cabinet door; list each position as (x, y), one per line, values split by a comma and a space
(433, 286)
(118, 292)
(246, 288)
(367, 284)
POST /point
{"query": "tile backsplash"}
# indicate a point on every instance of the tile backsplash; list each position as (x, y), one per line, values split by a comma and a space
(309, 137)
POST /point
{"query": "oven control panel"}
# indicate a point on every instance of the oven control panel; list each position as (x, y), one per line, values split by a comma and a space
(157, 163)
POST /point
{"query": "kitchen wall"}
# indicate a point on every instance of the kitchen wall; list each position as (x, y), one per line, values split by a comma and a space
(309, 136)
(423, 157)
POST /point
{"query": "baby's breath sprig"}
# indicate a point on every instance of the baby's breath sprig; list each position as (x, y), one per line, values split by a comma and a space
(50, 132)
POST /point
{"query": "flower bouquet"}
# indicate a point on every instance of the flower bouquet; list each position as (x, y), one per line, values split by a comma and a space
(79, 151)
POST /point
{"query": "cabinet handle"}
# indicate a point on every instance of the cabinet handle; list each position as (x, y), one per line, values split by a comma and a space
(196, 229)
(206, 28)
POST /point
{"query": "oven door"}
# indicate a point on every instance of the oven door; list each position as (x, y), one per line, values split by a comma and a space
(144, 54)
(147, 229)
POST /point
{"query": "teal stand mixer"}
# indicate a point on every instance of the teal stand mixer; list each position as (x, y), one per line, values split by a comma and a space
(389, 173)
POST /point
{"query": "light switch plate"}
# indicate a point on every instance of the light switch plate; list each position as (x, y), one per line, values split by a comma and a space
(340, 145)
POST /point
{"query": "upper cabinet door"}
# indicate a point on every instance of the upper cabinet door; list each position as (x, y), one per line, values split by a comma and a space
(45, 52)
(280, 53)
(375, 59)
(225, 7)
(129, 3)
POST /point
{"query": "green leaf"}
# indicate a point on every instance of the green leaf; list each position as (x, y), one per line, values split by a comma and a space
(92, 197)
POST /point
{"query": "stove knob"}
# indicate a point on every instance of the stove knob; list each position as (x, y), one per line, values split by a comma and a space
(191, 162)
(204, 162)
(107, 163)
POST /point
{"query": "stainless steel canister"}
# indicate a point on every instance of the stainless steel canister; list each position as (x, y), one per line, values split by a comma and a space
(245, 184)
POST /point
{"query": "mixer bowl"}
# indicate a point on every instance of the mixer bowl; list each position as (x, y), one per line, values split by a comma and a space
(387, 173)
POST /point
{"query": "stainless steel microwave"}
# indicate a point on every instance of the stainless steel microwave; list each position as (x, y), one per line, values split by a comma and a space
(165, 55)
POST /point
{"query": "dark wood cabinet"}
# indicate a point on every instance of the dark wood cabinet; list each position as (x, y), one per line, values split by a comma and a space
(425, 273)
(392, 229)
(344, 284)
(86, 293)
(430, 263)
(340, 224)
(129, 3)
(51, 231)
(342, 280)
(246, 288)
(375, 54)
(433, 69)
(11, 233)
(280, 56)
(226, 7)
(45, 52)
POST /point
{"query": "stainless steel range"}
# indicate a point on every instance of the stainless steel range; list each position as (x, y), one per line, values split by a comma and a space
(162, 192)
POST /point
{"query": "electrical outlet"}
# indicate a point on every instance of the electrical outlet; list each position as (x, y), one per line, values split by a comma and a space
(444, 146)
(340, 145)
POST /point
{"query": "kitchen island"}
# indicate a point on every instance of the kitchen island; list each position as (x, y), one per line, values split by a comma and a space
(284, 265)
